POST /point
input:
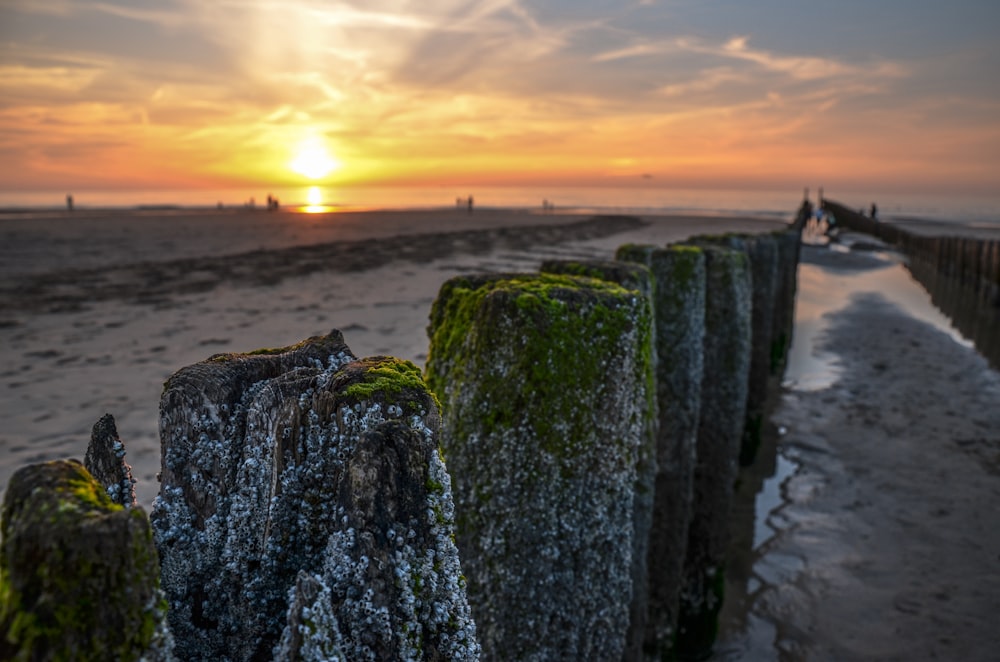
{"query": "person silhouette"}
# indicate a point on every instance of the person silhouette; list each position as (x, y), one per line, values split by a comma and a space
(470, 203)
(69, 202)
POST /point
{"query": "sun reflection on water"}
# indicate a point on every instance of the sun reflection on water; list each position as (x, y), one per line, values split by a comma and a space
(314, 198)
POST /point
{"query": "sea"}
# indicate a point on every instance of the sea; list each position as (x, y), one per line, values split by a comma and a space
(964, 209)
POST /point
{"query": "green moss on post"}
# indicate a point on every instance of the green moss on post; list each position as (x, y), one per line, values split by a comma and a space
(679, 322)
(79, 573)
(381, 376)
(543, 381)
(634, 277)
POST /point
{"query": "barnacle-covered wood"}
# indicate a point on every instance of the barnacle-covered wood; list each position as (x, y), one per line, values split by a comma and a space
(636, 277)
(272, 543)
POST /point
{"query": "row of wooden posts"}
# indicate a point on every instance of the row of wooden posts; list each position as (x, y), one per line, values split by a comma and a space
(593, 433)
(555, 485)
(961, 273)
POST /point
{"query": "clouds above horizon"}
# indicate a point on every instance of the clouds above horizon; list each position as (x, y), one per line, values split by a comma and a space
(438, 88)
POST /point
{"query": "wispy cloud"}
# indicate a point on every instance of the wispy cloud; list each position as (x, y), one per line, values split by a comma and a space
(637, 50)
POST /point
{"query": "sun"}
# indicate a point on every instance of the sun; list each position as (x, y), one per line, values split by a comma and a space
(312, 160)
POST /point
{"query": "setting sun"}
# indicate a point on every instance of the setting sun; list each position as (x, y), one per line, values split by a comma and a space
(312, 159)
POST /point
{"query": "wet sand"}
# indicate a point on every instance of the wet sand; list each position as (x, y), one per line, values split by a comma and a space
(97, 310)
(876, 534)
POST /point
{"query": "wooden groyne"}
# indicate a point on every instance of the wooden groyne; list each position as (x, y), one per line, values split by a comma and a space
(498, 343)
(961, 273)
(556, 485)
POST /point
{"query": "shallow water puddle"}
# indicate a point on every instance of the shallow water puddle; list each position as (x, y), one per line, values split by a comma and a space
(769, 499)
(829, 279)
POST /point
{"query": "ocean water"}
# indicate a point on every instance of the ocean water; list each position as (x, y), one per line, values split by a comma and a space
(635, 200)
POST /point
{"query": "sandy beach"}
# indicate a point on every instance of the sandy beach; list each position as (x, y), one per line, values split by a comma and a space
(868, 529)
(98, 309)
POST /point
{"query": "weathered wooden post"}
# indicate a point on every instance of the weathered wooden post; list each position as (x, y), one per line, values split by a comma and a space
(78, 572)
(544, 382)
(633, 277)
(789, 245)
(766, 282)
(763, 253)
(305, 511)
(720, 427)
(679, 327)
(105, 460)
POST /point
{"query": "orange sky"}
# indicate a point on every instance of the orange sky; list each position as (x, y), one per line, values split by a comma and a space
(183, 93)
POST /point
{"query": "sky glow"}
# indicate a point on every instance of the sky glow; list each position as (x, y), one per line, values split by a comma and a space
(898, 94)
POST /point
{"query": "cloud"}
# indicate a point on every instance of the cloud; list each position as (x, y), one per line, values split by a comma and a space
(737, 48)
(638, 50)
(800, 67)
(460, 81)
(706, 81)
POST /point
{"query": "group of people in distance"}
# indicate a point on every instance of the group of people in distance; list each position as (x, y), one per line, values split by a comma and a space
(822, 222)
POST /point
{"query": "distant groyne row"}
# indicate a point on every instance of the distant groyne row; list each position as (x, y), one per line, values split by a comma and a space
(555, 485)
(961, 273)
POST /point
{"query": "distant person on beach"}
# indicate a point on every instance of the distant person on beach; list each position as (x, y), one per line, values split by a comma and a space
(470, 204)
(69, 202)
(874, 212)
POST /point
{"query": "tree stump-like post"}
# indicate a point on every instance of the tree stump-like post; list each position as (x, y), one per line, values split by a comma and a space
(305, 510)
(767, 296)
(105, 460)
(789, 245)
(79, 573)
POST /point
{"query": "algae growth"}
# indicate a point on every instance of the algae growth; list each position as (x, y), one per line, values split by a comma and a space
(78, 572)
(547, 376)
